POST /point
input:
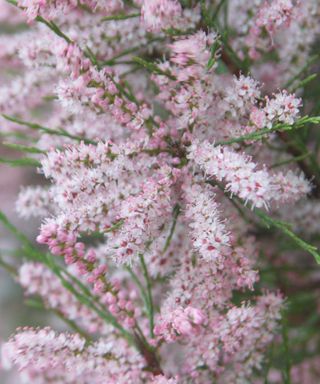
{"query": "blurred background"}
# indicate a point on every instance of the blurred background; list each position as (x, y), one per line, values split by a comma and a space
(13, 310)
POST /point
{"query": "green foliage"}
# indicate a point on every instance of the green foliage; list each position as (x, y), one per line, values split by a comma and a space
(285, 228)
(23, 148)
(121, 17)
(153, 68)
(49, 131)
(23, 162)
(77, 288)
(262, 133)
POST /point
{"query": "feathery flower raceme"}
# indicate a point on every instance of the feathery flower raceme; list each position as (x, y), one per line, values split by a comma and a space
(243, 178)
(192, 54)
(142, 216)
(33, 201)
(51, 10)
(25, 92)
(179, 323)
(62, 243)
(152, 125)
(38, 280)
(104, 93)
(271, 16)
(209, 234)
(66, 357)
(160, 14)
(283, 107)
(163, 380)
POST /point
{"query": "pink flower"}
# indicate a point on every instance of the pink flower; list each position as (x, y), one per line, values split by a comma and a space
(283, 107)
(242, 177)
(258, 117)
(209, 234)
(160, 14)
(178, 323)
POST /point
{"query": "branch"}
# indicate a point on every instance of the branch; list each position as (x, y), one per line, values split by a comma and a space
(261, 133)
(149, 294)
(270, 222)
(49, 131)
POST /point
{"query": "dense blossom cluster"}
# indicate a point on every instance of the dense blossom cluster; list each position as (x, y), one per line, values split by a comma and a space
(51, 10)
(242, 179)
(156, 127)
(36, 279)
(67, 358)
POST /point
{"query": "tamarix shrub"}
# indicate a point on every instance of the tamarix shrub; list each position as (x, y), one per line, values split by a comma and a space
(178, 199)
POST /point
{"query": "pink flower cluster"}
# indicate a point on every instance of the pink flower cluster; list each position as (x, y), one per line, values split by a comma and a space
(178, 323)
(51, 10)
(271, 17)
(36, 279)
(209, 233)
(117, 300)
(34, 201)
(98, 87)
(66, 357)
(160, 14)
(243, 179)
(274, 14)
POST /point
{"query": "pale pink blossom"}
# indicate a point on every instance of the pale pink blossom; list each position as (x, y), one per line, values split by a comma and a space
(50, 10)
(172, 325)
(34, 202)
(209, 234)
(283, 107)
(243, 178)
(48, 356)
(160, 14)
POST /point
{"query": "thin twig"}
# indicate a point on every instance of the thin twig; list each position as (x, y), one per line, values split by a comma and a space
(149, 292)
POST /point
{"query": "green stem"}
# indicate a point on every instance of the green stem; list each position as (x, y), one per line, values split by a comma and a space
(217, 10)
(121, 17)
(311, 61)
(270, 222)
(8, 267)
(72, 325)
(54, 28)
(23, 148)
(153, 68)
(292, 160)
(49, 131)
(261, 133)
(149, 293)
(88, 299)
(140, 286)
(176, 212)
(23, 162)
(84, 297)
(285, 228)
